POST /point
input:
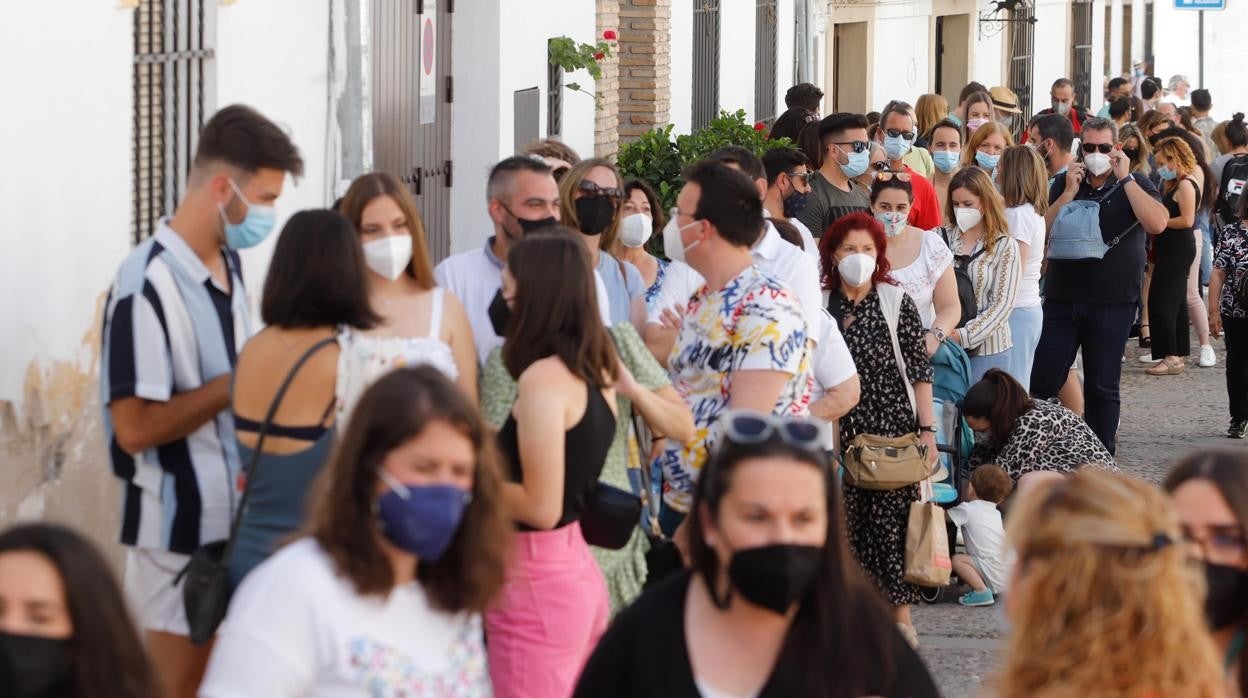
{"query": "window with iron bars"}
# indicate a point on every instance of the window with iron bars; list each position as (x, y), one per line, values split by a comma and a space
(173, 83)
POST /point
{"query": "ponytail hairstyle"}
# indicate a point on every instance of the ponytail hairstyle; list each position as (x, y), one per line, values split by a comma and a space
(1000, 400)
(1236, 131)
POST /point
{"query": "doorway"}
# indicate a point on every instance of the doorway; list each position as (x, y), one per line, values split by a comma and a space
(850, 63)
(952, 59)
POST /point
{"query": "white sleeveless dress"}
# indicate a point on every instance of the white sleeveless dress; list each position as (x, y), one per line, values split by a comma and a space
(919, 278)
(364, 359)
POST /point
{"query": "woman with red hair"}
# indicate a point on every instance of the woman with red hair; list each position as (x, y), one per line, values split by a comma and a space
(881, 325)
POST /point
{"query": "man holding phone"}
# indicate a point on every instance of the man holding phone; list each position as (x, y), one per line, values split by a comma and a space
(1089, 305)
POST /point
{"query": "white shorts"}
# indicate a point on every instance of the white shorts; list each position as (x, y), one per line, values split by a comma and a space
(149, 585)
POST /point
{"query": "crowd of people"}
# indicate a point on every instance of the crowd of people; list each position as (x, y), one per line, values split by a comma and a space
(561, 464)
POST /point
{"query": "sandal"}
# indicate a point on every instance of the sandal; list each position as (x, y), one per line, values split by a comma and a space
(1165, 368)
(1145, 342)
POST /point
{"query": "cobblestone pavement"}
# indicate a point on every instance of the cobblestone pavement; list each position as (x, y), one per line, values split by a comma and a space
(1163, 418)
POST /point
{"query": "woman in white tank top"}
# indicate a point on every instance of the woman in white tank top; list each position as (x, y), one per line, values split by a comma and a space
(421, 323)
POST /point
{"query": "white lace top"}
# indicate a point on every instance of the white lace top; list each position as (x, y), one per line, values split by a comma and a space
(919, 278)
(363, 358)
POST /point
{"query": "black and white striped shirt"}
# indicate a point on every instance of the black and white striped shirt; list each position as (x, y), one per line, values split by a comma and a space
(170, 328)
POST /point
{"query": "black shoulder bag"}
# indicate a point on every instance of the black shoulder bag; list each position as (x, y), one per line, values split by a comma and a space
(206, 591)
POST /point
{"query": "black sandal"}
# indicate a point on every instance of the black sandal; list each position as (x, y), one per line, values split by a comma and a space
(1145, 342)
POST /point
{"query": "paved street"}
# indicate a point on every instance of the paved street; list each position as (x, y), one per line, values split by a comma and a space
(1162, 419)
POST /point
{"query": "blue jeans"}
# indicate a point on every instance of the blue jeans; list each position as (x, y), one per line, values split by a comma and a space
(1206, 250)
(1025, 326)
(1100, 330)
(981, 364)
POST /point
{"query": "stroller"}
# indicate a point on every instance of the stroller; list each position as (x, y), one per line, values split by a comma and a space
(952, 379)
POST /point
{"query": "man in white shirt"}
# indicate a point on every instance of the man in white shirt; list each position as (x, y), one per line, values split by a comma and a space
(788, 263)
(1176, 92)
(788, 171)
(522, 197)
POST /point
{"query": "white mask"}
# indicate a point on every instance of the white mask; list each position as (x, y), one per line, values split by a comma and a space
(635, 229)
(388, 256)
(673, 245)
(967, 218)
(856, 269)
(1098, 163)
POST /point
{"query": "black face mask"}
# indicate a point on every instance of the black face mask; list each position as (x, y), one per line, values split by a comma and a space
(1227, 602)
(595, 214)
(1132, 154)
(773, 576)
(794, 204)
(34, 667)
(500, 314)
(528, 226)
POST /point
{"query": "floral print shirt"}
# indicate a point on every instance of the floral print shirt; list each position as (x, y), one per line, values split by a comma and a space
(754, 323)
(1232, 258)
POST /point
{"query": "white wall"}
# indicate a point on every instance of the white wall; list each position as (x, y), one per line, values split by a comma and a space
(736, 57)
(283, 75)
(786, 31)
(1052, 50)
(682, 66)
(902, 53)
(475, 135)
(1175, 35)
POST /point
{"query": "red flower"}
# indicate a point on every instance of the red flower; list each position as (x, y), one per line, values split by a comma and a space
(760, 126)
(599, 56)
(609, 35)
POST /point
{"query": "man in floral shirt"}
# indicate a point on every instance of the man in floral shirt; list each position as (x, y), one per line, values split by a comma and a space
(743, 340)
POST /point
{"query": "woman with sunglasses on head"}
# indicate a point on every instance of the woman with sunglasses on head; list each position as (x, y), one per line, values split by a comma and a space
(921, 264)
(773, 604)
(64, 630)
(945, 143)
(879, 163)
(641, 217)
(1025, 189)
(981, 245)
(1210, 494)
(421, 323)
(985, 146)
(589, 202)
(404, 549)
(856, 272)
(1102, 599)
(556, 440)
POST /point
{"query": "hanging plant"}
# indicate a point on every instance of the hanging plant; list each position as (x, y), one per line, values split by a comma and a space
(572, 55)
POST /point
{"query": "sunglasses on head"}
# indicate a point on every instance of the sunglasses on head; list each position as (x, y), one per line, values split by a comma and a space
(589, 188)
(1095, 147)
(745, 428)
(880, 166)
(559, 172)
(886, 175)
(895, 133)
(856, 146)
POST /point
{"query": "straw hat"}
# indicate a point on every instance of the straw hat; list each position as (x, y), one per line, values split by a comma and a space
(1004, 99)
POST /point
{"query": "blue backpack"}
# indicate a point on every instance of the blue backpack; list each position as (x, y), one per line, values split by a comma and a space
(1076, 233)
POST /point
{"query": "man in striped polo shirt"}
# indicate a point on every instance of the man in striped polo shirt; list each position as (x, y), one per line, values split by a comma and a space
(175, 320)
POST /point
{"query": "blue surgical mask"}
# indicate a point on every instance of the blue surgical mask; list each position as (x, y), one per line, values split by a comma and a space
(896, 148)
(986, 161)
(421, 519)
(945, 160)
(858, 163)
(254, 227)
(1166, 173)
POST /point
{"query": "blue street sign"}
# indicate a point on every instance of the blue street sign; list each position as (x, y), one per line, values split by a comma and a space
(1200, 4)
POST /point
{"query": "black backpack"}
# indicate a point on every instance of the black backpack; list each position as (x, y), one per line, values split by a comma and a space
(1234, 174)
(966, 287)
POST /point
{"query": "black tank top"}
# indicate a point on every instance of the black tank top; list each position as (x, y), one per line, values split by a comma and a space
(585, 448)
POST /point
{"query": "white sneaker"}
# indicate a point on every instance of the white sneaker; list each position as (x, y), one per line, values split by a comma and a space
(1145, 358)
(1207, 357)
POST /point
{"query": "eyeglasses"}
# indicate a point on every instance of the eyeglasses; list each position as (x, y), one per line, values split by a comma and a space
(589, 188)
(802, 176)
(745, 427)
(886, 175)
(898, 133)
(856, 146)
(1095, 147)
(1219, 548)
(673, 213)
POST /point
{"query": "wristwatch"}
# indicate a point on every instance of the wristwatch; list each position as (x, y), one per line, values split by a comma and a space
(928, 429)
(938, 333)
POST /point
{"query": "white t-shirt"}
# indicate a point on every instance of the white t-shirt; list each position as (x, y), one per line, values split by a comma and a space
(918, 278)
(474, 277)
(295, 628)
(809, 246)
(1027, 226)
(984, 535)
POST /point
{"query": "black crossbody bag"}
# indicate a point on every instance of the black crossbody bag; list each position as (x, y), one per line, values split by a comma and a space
(206, 591)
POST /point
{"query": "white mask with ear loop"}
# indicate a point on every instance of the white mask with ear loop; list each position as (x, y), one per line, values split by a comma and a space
(388, 256)
(673, 245)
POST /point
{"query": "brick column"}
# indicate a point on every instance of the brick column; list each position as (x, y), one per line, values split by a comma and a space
(606, 130)
(645, 84)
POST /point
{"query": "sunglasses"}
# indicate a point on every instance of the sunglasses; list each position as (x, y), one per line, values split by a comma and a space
(588, 188)
(559, 172)
(887, 174)
(897, 133)
(799, 176)
(745, 428)
(1097, 147)
(856, 146)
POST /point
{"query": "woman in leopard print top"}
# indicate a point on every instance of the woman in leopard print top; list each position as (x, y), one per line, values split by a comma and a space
(1026, 435)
